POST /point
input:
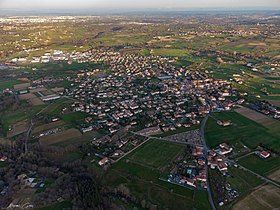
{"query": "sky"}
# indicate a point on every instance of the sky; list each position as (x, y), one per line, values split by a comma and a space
(136, 4)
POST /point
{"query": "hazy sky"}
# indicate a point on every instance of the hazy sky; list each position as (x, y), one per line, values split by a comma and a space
(136, 4)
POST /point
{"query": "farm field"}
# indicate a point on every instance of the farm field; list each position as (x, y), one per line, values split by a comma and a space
(17, 129)
(258, 117)
(48, 126)
(169, 52)
(265, 198)
(260, 166)
(243, 131)
(275, 176)
(12, 118)
(140, 172)
(8, 84)
(275, 102)
(32, 99)
(243, 181)
(60, 137)
(55, 108)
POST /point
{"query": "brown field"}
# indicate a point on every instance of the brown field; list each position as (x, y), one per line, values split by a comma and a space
(162, 39)
(277, 57)
(275, 176)
(60, 137)
(32, 99)
(17, 129)
(27, 96)
(275, 102)
(21, 86)
(257, 117)
(38, 90)
(36, 101)
(5, 141)
(257, 44)
(265, 198)
(57, 90)
(48, 126)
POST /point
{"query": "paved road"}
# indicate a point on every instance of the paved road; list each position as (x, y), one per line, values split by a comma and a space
(210, 198)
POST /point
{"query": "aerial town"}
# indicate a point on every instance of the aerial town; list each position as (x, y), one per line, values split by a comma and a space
(132, 112)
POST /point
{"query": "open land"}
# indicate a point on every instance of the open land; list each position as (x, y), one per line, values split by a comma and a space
(258, 117)
(60, 137)
(266, 197)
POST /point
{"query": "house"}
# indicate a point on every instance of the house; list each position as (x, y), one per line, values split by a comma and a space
(223, 123)
(213, 164)
(104, 161)
(190, 182)
(3, 158)
(222, 167)
(264, 154)
(225, 151)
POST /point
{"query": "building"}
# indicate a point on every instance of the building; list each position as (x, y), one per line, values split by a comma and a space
(103, 161)
(222, 167)
(264, 154)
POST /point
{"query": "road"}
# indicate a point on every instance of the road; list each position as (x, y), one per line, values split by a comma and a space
(131, 151)
(202, 128)
(210, 198)
(256, 174)
(31, 126)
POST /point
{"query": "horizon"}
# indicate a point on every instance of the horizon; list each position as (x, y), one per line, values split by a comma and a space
(139, 5)
(133, 11)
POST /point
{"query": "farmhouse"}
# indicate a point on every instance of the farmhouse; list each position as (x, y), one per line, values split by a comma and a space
(223, 123)
(103, 161)
(263, 154)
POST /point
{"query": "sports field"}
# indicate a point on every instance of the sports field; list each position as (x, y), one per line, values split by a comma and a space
(156, 154)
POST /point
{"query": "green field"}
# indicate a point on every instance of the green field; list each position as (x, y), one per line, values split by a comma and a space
(259, 165)
(140, 172)
(166, 52)
(56, 107)
(10, 118)
(8, 84)
(243, 132)
(156, 154)
(72, 118)
(242, 181)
